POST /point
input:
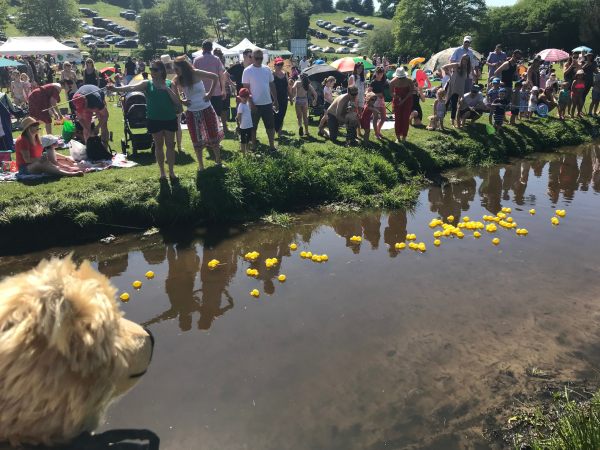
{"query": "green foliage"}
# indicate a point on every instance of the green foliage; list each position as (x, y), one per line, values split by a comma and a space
(3, 7)
(387, 8)
(55, 18)
(426, 26)
(368, 8)
(185, 20)
(380, 41)
(589, 31)
(151, 28)
(297, 18)
(322, 6)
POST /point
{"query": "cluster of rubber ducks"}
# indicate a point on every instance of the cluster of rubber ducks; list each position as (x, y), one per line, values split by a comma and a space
(502, 219)
(137, 285)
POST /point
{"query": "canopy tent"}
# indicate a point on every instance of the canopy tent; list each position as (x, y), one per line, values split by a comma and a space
(243, 45)
(442, 58)
(39, 45)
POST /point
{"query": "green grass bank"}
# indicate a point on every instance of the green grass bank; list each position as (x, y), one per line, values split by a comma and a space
(305, 173)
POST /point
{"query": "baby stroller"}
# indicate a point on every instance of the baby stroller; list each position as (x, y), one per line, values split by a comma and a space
(133, 105)
(316, 110)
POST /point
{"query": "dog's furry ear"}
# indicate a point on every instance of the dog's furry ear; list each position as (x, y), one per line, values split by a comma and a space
(65, 309)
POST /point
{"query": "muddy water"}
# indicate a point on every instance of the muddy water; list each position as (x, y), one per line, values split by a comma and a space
(373, 349)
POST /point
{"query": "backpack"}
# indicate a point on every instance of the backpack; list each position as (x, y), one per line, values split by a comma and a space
(96, 150)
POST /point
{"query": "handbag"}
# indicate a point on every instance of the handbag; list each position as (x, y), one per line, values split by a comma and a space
(96, 150)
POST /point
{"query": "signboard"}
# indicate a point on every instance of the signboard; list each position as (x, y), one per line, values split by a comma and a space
(298, 47)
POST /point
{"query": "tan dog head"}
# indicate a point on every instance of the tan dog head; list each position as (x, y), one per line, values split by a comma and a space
(65, 352)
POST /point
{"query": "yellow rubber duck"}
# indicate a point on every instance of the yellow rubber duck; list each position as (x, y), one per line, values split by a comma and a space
(411, 237)
(460, 235)
(491, 228)
(450, 218)
(466, 219)
(555, 221)
(302, 254)
(124, 297)
(282, 278)
(501, 215)
(213, 263)
(149, 274)
(309, 255)
(324, 257)
(561, 212)
(293, 246)
(437, 234)
(255, 293)
(532, 212)
(137, 284)
(252, 272)
(399, 245)
(477, 235)
(506, 210)
(413, 246)
(356, 239)
(422, 247)
(437, 242)
(495, 241)
(510, 219)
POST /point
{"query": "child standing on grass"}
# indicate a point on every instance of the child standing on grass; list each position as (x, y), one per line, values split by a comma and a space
(492, 95)
(564, 100)
(436, 122)
(515, 100)
(595, 94)
(244, 119)
(524, 101)
(368, 113)
(533, 101)
(499, 107)
(328, 85)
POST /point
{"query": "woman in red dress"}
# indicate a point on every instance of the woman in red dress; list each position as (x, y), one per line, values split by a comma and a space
(402, 90)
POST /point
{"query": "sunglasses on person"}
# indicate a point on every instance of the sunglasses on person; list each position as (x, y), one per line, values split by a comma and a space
(279, 64)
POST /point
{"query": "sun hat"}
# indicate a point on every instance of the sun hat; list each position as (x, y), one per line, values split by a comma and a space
(27, 122)
(48, 140)
(244, 93)
(166, 59)
(400, 72)
(535, 88)
(580, 72)
(278, 60)
(467, 39)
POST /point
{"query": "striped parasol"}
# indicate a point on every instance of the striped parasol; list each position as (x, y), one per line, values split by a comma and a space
(553, 55)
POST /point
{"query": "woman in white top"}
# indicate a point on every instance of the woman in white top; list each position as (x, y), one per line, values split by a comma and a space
(202, 121)
(358, 79)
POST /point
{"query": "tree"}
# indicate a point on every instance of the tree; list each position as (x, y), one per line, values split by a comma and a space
(185, 20)
(342, 5)
(387, 8)
(3, 7)
(136, 5)
(322, 6)
(589, 31)
(367, 7)
(355, 6)
(380, 41)
(57, 18)
(426, 26)
(297, 18)
(150, 28)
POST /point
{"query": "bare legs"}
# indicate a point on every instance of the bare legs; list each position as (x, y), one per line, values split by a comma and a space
(302, 116)
(164, 139)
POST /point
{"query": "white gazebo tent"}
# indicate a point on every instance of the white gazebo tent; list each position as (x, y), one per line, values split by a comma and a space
(243, 45)
(39, 45)
(215, 46)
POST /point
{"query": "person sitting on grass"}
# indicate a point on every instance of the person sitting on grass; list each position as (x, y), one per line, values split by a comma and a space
(244, 119)
(66, 163)
(471, 106)
(29, 153)
(436, 121)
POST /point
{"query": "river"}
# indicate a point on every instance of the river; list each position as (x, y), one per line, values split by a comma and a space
(375, 348)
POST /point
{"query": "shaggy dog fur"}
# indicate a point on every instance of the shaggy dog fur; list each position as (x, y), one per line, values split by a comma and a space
(65, 352)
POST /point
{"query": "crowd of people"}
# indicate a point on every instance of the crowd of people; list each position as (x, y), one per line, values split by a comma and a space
(204, 87)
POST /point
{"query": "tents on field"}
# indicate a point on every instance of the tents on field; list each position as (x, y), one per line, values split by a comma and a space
(39, 45)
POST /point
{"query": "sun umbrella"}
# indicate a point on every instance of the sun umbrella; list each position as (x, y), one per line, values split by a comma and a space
(553, 55)
(5, 62)
(415, 61)
(442, 58)
(318, 72)
(319, 61)
(422, 78)
(582, 48)
(347, 64)
(108, 71)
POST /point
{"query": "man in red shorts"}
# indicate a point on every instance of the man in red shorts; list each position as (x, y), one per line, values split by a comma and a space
(89, 100)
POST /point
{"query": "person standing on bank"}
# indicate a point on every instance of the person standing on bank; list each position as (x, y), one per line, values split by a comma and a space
(208, 62)
(495, 59)
(281, 80)
(456, 84)
(258, 79)
(465, 49)
(162, 107)
(402, 93)
(507, 70)
(202, 120)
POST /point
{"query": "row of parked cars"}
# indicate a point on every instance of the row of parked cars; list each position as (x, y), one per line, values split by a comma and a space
(344, 50)
(316, 33)
(359, 23)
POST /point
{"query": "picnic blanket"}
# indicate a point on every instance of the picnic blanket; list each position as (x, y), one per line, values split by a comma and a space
(119, 161)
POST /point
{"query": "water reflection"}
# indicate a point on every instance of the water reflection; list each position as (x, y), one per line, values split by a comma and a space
(395, 230)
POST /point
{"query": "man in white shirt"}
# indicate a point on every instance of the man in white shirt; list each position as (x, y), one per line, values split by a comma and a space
(304, 64)
(466, 50)
(258, 79)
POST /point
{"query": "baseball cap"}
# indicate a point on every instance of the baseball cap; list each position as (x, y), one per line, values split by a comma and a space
(475, 88)
(244, 92)
(496, 80)
(467, 39)
(278, 60)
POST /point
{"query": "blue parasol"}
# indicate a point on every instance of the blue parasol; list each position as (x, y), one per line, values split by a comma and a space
(5, 62)
(582, 48)
(319, 61)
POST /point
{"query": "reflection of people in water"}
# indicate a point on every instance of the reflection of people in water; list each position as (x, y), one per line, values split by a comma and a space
(595, 154)
(568, 175)
(445, 201)
(490, 189)
(395, 230)
(553, 183)
(113, 266)
(520, 184)
(179, 285)
(215, 282)
(371, 225)
(585, 170)
(512, 173)
(154, 254)
(348, 225)
(538, 167)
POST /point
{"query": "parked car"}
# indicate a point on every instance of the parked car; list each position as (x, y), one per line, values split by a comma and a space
(360, 23)
(343, 50)
(127, 32)
(316, 48)
(355, 51)
(129, 16)
(368, 26)
(321, 35)
(328, 50)
(126, 11)
(71, 44)
(127, 43)
(101, 43)
(90, 43)
(349, 20)
(87, 38)
(174, 41)
(87, 12)
(320, 22)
